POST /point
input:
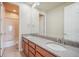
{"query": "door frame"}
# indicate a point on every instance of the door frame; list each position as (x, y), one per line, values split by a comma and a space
(44, 14)
(18, 18)
(2, 30)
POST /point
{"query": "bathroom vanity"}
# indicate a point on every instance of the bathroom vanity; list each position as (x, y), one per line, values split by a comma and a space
(31, 49)
(34, 46)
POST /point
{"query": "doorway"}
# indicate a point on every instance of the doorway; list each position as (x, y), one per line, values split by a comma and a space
(41, 24)
(11, 25)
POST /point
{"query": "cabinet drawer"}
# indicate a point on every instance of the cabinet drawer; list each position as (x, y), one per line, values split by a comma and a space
(30, 54)
(32, 50)
(25, 40)
(43, 52)
(32, 44)
(38, 55)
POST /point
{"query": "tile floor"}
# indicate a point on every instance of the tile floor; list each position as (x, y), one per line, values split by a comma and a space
(12, 52)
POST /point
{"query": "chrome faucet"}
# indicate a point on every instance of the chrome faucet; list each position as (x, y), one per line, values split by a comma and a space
(62, 41)
(59, 40)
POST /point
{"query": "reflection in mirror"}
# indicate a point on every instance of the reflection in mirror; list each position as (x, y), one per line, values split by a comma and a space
(60, 25)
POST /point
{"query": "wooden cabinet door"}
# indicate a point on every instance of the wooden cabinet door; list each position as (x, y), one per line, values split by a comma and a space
(31, 54)
(43, 52)
(32, 50)
(26, 49)
(38, 55)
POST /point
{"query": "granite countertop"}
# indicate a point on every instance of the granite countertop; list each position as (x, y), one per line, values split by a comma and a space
(69, 52)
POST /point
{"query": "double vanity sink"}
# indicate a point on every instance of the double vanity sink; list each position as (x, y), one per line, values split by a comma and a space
(54, 48)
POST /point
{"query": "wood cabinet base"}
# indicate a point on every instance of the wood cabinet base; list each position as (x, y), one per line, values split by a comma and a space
(31, 49)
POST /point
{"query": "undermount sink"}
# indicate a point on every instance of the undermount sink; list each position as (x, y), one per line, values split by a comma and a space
(56, 47)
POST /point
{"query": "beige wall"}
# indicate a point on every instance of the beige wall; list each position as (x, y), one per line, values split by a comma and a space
(55, 21)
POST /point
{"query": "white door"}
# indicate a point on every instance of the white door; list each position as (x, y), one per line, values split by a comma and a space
(71, 22)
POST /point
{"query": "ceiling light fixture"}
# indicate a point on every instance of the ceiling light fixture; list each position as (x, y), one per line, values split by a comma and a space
(35, 4)
(14, 10)
(38, 3)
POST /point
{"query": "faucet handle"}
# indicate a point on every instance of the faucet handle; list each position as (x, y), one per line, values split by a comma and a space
(58, 40)
(62, 41)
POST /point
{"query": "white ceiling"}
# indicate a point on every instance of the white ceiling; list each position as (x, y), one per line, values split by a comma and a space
(48, 5)
(45, 6)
